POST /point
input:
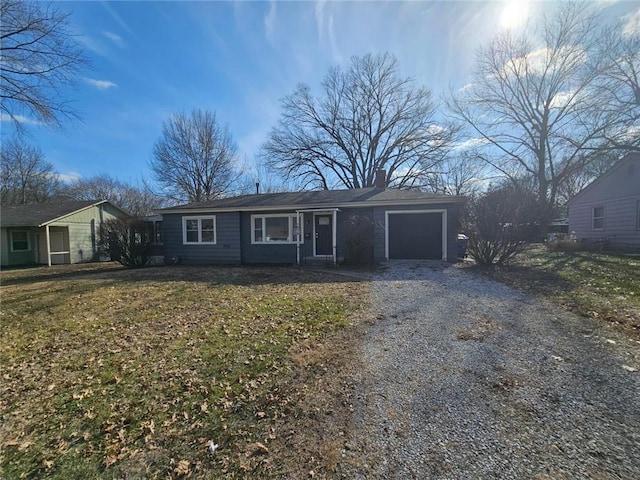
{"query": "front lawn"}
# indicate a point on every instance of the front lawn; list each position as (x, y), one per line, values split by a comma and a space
(595, 284)
(114, 373)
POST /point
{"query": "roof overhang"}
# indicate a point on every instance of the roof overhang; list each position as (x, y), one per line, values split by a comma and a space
(315, 207)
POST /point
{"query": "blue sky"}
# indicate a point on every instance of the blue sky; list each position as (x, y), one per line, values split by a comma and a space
(152, 59)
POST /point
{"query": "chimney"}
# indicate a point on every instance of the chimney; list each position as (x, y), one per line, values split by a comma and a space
(381, 179)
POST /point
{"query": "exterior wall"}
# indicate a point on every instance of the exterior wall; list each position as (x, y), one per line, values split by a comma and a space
(270, 253)
(618, 193)
(225, 251)
(84, 232)
(620, 221)
(379, 235)
(10, 258)
(4, 246)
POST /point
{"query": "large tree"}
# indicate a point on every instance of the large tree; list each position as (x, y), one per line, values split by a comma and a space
(368, 118)
(194, 160)
(134, 199)
(25, 175)
(39, 57)
(538, 101)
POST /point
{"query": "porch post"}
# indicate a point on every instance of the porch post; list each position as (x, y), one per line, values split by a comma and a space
(335, 237)
(298, 239)
(46, 229)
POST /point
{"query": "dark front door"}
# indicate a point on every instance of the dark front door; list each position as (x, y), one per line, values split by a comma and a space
(415, 235)
(324, 234)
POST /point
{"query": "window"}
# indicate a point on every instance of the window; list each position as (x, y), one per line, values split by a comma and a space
(199, 230)
(275, 229)
(157, 232)
(20, 241)
(598, 218)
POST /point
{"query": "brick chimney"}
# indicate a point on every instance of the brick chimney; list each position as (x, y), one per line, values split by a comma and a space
(381, 179)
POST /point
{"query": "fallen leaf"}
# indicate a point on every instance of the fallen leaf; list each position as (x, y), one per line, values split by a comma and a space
(629, 369)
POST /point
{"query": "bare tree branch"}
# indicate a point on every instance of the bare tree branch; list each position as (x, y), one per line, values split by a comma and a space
(194, 158)
(547, 109)
(368, 118)
(25, 175)
(39, 57)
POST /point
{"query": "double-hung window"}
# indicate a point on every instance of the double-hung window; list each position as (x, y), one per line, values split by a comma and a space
(199, 230)
(597, 218)
(20, 241)
(275, 228)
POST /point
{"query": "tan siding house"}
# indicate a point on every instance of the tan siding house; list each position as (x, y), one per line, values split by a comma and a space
(54, 233)
(608, 209)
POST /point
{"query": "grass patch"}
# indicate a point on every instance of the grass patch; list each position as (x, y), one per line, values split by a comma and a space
(113, 373)
(594, 284)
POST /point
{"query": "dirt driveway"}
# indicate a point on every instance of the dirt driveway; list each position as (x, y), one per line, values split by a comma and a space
(465, 378)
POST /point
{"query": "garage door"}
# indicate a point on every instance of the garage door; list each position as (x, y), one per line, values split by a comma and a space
(415, 235)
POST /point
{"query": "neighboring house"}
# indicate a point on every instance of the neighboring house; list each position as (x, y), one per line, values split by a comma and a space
(370, 224)
(608, 209)
(54, 233)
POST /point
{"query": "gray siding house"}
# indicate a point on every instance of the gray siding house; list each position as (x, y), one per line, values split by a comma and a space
(368, 224)
(608, 209)
(53, 233)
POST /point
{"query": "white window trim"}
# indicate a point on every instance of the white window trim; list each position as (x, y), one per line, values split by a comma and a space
(11, 232)
(593, 218)
(199, 218)
(444, 228)
(290, 240)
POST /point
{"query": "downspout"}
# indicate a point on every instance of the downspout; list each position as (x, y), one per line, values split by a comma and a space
(298, 238)
(46, 229)
(335, 237)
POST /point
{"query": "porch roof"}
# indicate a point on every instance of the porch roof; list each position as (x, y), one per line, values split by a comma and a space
(40, 214)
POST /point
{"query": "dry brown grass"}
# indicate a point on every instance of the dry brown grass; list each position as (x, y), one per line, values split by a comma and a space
(114, 373)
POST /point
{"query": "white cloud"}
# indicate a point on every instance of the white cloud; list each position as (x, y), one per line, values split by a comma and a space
(115, 38)
(270, 20)
(319, 15)
(470, 143)
(101, 84)
(18, 118)
(631, 24)
(69, 177)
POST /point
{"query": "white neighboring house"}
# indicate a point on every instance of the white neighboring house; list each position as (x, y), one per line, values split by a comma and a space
(55, 232)
(608, 209)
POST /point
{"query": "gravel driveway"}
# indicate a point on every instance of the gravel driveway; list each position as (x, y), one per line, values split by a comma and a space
(465, 378)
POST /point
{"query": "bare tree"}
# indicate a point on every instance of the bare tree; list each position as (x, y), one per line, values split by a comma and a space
(618, 85)
(536, 105)
(39, 57)
(194, 159)
(368, 118)
(460, 174)
(25, 175)
(136, 200)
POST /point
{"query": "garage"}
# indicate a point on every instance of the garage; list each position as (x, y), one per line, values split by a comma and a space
(416, 235)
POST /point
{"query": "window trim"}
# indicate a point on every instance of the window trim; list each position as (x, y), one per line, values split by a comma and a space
(594, 218)
(291, 239)
(11, 240)
(199, 218)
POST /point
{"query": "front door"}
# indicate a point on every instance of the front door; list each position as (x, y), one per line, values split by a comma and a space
(323, 225)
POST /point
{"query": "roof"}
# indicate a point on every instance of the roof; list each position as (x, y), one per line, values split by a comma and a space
(356, 197)
(40, 214)
(629, 158)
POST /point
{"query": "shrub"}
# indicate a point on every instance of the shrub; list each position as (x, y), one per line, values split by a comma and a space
(359, 238)
(500, 222)
(128, 241)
